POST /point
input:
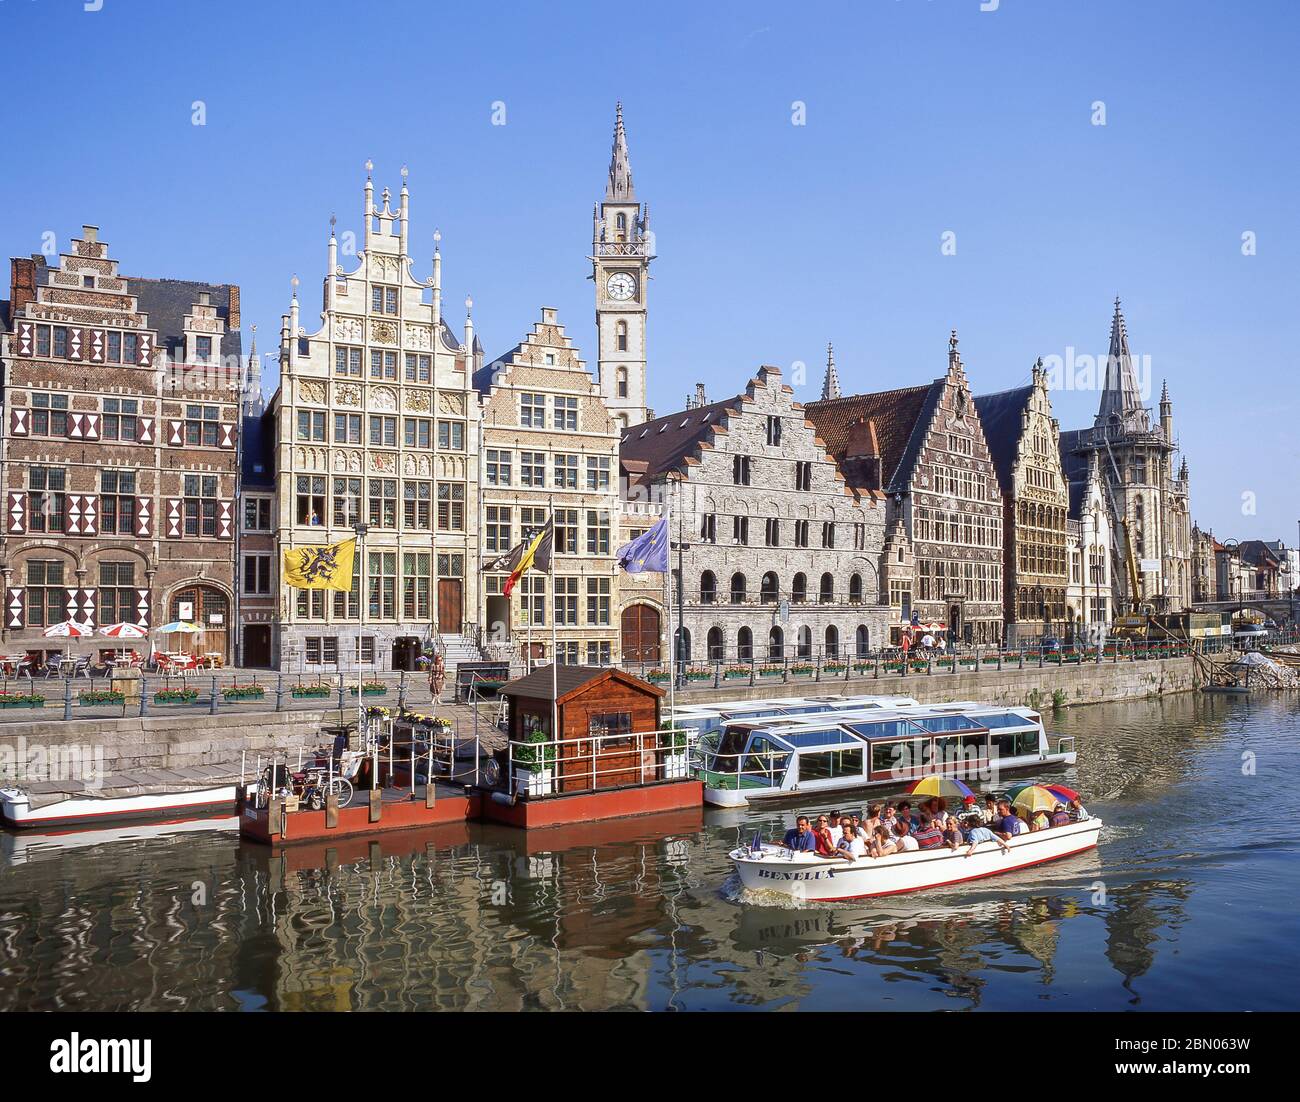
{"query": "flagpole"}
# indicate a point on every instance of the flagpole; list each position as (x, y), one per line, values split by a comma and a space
(668, 594)
(555, 645)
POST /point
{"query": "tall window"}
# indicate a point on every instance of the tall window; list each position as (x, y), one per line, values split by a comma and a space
(597, 472)
(347, 502)
(738, 589)
(382, 603)
(709, 528)
(116, 503)
(383, 431)
(45, 504)
(257, 514)
(855, 589)
(799, 588)
(49, 414)
(45, 596)
(566, 472)
(745, 645)
(826, 594)
(383, 365)
(597, 531)
(620, 332)
(496, 528)
(565, 414)
(415, 585)
(116, 597)
(828, 533)
(417, 506)
(311, 425)
(566, 531)
(201, 504)
(773, 431)
(598, 601)
(347, 428)
(348, 605)
(532, 470)
(620, 375)
(383, 502)
(309, 504)
(257, 574)
(566, 601)
(532, 586)
(769, 589)
(201, 423)
(451, 436)
(708, 588)
(772, 532)
(532, 411)
(801, 533)
(740, 470)
(740, 529)
(417, 432)
(118, 422)
(347, 361)
(803, 475)
(498, 467)
(383, 300)
(451, 506)
(419, 369)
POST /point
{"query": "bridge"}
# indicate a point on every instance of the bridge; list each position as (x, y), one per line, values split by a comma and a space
(1282, 608)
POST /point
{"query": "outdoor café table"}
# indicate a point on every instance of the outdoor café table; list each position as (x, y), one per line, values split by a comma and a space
(13, 664)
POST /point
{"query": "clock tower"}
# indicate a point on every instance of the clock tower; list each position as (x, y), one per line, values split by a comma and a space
(622, 248)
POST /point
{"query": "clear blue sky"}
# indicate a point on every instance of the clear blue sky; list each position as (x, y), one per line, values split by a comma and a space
(923, 116)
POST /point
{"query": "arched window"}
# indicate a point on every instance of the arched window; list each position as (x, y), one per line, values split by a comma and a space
(862, 640)
(745, 645)
(738, 589)
(827, 593)
(805, 642)
(832, 641)
(620, 224)
(769, 589)
(775, 643)
(708, 588)
(799, 588)
(620, 332)
(683, 637)
(855, 589)
(715, 644)
(620, 376)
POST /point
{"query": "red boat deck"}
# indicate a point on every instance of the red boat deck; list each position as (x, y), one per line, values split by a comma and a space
(398, 811)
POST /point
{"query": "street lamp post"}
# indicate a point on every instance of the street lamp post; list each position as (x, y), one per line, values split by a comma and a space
(360, 529)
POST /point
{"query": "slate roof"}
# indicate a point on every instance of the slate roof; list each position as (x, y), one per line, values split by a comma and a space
(1001, 416)
(901, 418)
(542, 682)
(168, 301)
(1074, 468)
(663, 443)
(258, 444)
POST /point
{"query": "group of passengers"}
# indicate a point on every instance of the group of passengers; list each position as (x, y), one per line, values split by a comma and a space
(901, 828)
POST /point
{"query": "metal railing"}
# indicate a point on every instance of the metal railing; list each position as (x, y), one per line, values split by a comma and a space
(756, 769)
(561, 767)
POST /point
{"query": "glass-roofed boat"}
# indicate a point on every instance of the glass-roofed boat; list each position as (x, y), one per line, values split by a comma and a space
(706, 721)
(877, 747)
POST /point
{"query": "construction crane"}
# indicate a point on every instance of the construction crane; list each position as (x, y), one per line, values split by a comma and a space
(1135, 619)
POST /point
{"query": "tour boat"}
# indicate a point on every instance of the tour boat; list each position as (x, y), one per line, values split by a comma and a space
(806, 876)
(120, 797)
(881, 747)
(708, 720)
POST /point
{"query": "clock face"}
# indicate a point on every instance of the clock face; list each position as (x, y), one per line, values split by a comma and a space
(620, 286)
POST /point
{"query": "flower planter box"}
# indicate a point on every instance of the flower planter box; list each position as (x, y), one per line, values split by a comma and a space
(656, 676)
(533, 782)
(22, 701)
(699, 675)
(243, 692)
(802, 671)
(834, 669)
(860, 667)
(302, 691)
(734, 675)
(176, 696)
(100, 697)
(771, 672)
(369, 690)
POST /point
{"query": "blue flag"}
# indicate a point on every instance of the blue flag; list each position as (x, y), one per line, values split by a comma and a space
(648, 552)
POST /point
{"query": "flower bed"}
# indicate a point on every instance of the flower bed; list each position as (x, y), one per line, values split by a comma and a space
(733, 672)
(803, 670)
(176, 696)
(243, 692)
(657, 675)
(370, 688)
(302, 691)
(100, 696)
(22, 700)
(834, 667)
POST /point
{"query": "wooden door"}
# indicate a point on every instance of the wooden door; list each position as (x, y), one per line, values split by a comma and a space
(450, 609)
(209, 609)
(257, 646)
(641, 634)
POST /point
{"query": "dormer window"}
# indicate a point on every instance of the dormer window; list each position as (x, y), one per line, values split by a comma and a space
(202, 349)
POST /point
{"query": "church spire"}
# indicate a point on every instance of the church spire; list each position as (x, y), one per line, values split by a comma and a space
(254, 405)
(831, 384)
(1120, 396)
(620, 168)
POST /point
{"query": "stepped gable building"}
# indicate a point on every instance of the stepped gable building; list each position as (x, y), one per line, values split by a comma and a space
(1146, 488)
(775, 555)
(1023, 440)
(377, 423)
(1089, 597)
(548, 440)
(924, 447)
(119, 451)
(622, 248)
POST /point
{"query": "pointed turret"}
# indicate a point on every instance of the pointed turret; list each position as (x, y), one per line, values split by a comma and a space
(254, 405)
(1166, 413)
(1120, 397)
(620, 186)
(831, 384)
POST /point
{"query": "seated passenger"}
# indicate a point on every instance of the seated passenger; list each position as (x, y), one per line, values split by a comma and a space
(930, 834)
(1006, 825)
(1077, 812)
(905, 813)
(953, 833)
(903, 840)
(871, 821)
(837, 826)
(882, 845)
(822, 831)
(800, 837)
(888, 817)
(1060, 817)
(990, 810)
(977, 832)
(850, 846)
(1038, 820)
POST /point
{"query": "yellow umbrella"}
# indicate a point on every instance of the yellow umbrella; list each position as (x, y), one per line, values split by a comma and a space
(1036, 798)
(948, 787)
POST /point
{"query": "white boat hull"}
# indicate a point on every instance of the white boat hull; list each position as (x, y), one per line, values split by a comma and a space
(78, 810)
(805, 876)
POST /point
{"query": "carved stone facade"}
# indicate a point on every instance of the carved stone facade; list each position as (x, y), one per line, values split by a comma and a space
(780, 558)
(377, 423)
(548, 440)
(121, 398)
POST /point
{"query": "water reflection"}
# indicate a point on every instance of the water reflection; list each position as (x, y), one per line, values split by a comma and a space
(1175, 910)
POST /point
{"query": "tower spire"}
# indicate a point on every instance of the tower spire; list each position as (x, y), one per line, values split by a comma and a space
(620, 168)
(1120, 397)
(831, 384)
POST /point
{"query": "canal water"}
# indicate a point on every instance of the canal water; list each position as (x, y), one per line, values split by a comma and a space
(1189, 904)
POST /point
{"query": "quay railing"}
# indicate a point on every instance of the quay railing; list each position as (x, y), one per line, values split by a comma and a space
(537, 768)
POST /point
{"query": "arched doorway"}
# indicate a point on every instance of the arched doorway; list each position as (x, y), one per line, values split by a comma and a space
(207, 607)
(641, 634)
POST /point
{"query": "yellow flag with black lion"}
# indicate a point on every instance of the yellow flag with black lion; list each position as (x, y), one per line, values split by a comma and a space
(321, 567)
